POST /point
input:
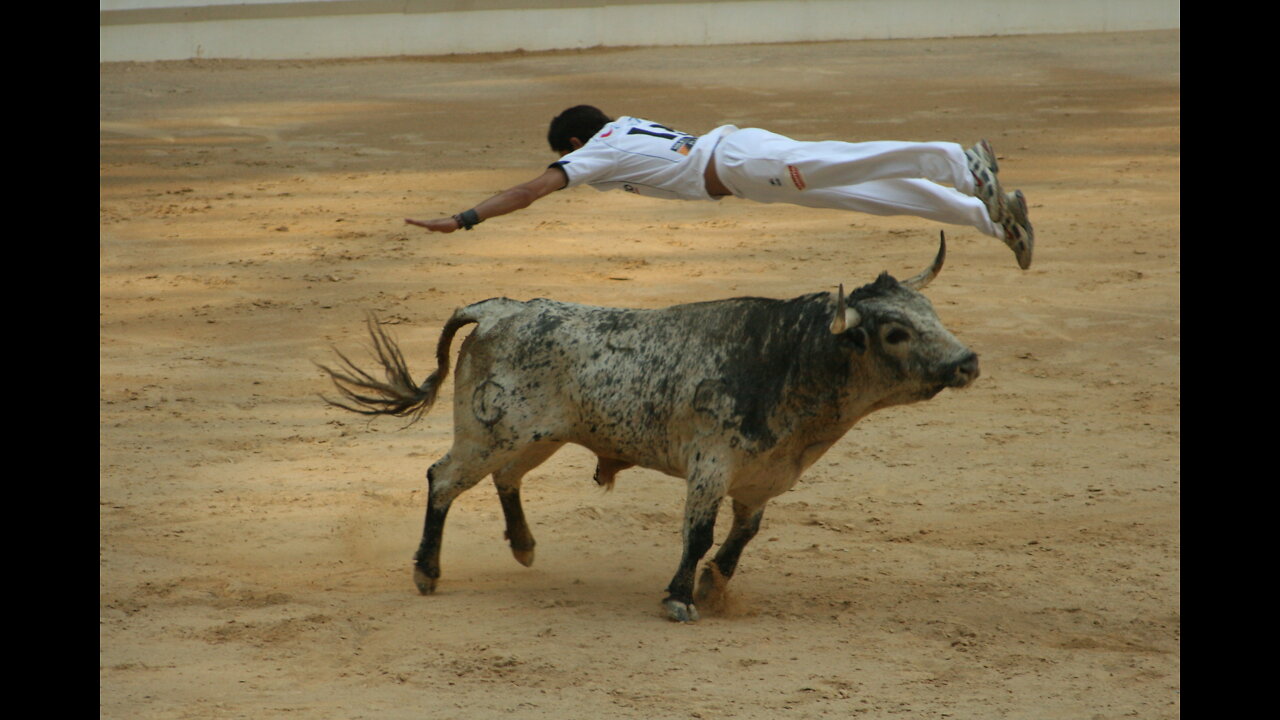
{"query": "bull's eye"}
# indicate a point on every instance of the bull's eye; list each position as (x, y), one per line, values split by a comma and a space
(896, 336)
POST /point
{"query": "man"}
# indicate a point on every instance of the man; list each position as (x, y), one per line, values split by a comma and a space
(936, 180)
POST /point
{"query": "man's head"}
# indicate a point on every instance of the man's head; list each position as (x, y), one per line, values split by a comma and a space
(580, 122)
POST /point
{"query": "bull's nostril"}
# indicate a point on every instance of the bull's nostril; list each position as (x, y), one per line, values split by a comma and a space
(967, 370)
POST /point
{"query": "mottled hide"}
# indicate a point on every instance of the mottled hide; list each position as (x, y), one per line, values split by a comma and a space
(737, 396)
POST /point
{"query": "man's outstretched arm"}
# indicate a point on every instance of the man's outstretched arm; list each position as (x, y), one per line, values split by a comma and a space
(517, 198)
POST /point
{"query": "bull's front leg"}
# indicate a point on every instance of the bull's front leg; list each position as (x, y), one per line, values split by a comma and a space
(718, 570)
(706, 489)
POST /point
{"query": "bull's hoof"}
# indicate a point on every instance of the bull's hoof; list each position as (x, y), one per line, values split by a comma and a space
(711, 589)
(681, 612)
(524, 557)
(426, 584)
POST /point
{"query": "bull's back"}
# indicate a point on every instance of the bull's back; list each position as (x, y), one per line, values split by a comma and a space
(643, 384)
(606, 378)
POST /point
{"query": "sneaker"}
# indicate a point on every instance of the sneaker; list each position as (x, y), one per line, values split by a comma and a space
(1018, 234)
(986, 186)
(983, 153)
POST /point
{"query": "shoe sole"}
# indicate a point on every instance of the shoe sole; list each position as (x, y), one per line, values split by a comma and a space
(1018, 214)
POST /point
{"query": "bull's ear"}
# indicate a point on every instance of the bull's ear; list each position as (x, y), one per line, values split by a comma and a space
(855, 338)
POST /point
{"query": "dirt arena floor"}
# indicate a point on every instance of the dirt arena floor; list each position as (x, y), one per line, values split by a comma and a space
(1010, 550)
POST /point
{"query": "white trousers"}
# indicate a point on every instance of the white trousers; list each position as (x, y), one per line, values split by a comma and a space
(880, 178)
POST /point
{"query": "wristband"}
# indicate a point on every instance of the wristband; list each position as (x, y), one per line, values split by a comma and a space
(467, 219)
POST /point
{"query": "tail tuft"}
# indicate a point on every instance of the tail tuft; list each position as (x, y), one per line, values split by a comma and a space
(397, 395)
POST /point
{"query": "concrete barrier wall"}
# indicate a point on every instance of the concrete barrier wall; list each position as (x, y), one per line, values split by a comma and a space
(145, 30)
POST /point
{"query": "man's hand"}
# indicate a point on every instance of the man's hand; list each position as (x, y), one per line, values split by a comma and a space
(444, 225)
(509, 200)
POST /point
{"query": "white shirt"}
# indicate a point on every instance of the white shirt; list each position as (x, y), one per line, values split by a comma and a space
(645, 158)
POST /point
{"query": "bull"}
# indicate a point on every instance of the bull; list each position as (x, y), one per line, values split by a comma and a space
(737, 397)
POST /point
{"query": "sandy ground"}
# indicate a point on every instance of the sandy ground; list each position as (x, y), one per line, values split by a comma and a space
(1007, 551)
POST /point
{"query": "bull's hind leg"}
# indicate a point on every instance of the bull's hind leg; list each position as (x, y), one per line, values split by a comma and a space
(446, 480)
(465, 465)
(716, 574)
(706, 490)
(507, 480)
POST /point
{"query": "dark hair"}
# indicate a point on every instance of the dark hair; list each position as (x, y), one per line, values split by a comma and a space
(580, 121)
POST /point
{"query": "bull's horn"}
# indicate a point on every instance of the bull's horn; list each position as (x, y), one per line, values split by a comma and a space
(846, 317)
(919, 281)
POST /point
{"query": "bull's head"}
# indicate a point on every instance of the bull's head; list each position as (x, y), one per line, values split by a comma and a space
(894, 323)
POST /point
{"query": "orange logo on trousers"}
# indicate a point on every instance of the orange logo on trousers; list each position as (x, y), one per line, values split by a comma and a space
(796, 177)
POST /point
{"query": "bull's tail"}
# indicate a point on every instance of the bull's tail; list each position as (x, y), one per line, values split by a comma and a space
(398, 395)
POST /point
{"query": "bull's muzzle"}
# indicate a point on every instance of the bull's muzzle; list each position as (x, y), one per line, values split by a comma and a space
(962, 372)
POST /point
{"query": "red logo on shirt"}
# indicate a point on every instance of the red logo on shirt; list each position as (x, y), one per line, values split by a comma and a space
(796, 177)
(608, 133)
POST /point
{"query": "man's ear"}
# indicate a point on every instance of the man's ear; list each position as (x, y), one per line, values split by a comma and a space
(575, 143)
